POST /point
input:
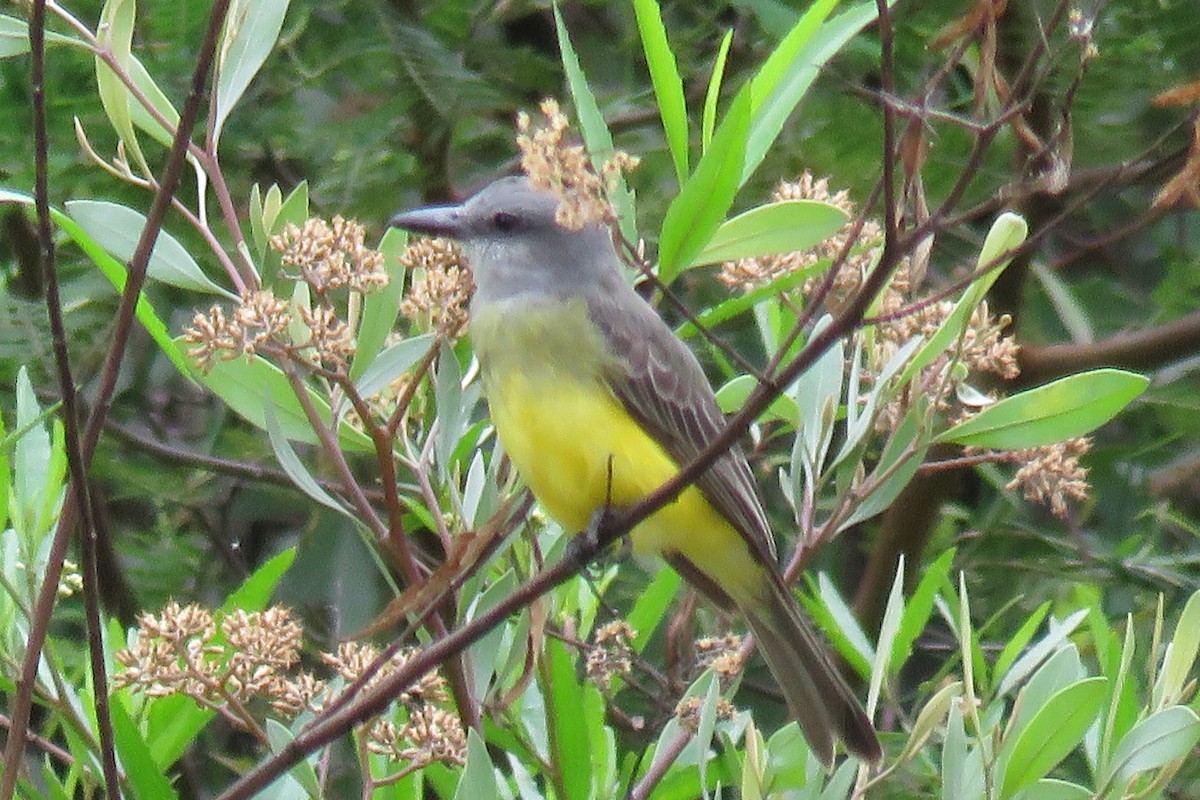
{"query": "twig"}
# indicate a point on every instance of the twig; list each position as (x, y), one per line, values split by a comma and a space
(70, 413)
(23, 699)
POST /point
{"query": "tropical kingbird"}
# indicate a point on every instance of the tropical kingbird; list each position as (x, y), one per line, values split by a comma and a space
(598, 403)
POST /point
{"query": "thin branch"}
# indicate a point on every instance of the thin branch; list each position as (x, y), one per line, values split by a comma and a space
(70, 414)
(23, 699)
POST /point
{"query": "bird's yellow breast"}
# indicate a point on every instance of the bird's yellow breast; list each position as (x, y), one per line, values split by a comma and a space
(578, 448)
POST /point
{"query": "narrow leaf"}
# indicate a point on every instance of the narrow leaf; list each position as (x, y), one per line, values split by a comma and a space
(251, 30)
(595, 131)
(380, 308)
(115, 35)
(702, 202)
(1068, 407)
(771, 229)
(1156, 741)
(1053, 732)
(668, 86)
(118, 228)
(714, 92)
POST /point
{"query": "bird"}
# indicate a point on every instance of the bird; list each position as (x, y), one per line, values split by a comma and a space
(597, 403)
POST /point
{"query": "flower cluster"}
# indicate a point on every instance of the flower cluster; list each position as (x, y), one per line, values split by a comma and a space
(180, 651)
(722, 654)
(226, 662)
(325, 257)
(551, 162)
(1052, 473)
(611, 656)
(750, 273)
(430, 731)
(329, 256)
(688, 710)
(441, 288)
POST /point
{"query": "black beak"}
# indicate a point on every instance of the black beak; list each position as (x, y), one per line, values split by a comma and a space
(443, 221)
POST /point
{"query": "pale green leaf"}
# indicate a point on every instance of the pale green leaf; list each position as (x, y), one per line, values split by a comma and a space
(118, 228)
(1055, 730)
(251, 30)
(1154, 742)
(1068, 407)
(782, 227)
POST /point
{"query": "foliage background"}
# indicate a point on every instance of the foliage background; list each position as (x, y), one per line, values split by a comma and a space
(383, 105)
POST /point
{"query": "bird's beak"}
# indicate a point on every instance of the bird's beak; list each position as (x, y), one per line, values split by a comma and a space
(433, 221)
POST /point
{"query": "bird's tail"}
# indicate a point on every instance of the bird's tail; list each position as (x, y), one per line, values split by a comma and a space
(817, 695)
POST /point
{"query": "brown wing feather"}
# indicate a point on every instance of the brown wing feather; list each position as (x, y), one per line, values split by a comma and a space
(660, 382)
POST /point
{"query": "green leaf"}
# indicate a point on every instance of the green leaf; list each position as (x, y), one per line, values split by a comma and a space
(1068, 407)
(929, 719)
(302, 771)
(1007, 232)
(696, 212)
(242, 383)
(713, 94)
(888, 629)
(172, 724)
(1049, 644)
(787, 754)
(788, 72)
(1053, 732)
(595, 131)
(118, 228)
(251, 30)
(1181, 653)
(1016, 644)
(394, 362)
(733, 395)
(840, 624)
(782, 227)
(897, 465)
(668, 86)
(570, 746)
(14, 37)
(1154, 742)
(478, 778)
(294, 467)
(919, 607)
(115, 35)
(293, 210)
(650, 608)
(255, 592)
(145, 777)
(141, 117)
(741, 303)
(380, 308)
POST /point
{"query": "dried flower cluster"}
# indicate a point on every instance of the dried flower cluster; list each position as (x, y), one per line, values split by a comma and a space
(441, 288)
(258, 318)
(330, 256)
(750, 273)
(253, 657)
(429, 733)
(687, 711)
(722, 654)
(551, 162)
(612, 654)
(180, 652)
(1052, 474)
(325, 257)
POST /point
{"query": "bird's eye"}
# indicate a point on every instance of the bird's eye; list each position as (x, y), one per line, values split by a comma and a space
(504, 221)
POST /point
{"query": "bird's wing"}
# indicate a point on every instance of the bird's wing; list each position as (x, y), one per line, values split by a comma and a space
(660, 382)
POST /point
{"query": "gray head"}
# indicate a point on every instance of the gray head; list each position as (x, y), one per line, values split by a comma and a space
(514, 246)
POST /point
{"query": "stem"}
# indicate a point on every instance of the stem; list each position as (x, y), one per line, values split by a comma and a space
(39, 623)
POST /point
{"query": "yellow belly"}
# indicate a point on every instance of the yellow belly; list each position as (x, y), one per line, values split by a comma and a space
(578, 449)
